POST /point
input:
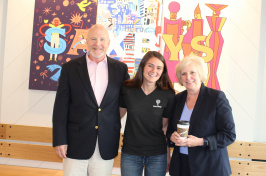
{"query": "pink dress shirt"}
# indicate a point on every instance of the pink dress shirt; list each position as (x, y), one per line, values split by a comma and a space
(98, 74)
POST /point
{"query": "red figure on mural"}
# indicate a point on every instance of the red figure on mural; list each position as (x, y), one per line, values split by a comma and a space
(215, 42)
(196, 29)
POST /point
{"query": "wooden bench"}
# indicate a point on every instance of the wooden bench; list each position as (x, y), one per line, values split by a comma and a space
(248, 158)
(32, 143)
(35, 143)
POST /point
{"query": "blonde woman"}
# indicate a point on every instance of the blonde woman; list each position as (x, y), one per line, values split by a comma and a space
(212, 127)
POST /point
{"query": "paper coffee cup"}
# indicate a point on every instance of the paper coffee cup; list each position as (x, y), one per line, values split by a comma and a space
(182, 128)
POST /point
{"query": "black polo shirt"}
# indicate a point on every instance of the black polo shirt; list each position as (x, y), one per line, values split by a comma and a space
(143, 134)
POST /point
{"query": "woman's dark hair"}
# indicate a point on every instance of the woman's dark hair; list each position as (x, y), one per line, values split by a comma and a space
(163, 82)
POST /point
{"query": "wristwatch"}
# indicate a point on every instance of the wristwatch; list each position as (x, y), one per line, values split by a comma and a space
(205, 143)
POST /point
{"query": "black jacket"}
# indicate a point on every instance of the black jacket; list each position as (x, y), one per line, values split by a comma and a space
(211, 118)
(76, 112)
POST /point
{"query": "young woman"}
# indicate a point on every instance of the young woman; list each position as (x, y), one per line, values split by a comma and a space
(148, 99)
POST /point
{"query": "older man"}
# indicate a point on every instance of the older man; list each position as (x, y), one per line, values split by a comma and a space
(86, 120)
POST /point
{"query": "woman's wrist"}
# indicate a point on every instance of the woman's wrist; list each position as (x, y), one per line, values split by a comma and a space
(205, 142)
(202, 142)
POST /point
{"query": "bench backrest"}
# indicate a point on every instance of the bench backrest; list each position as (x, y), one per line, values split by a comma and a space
(247, 158)
(35, 143)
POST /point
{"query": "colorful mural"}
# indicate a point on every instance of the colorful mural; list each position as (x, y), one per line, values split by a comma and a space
(184, 36)
(59, 35)
(134, 28)
(175, 28)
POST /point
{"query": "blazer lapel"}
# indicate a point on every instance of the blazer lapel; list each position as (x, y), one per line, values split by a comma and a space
(84, 75)
(178, 109)
(198, 105)
(182, 104)
(111, 80)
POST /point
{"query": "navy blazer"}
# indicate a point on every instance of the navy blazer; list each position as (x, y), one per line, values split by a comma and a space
(77, 118)
(211, 118)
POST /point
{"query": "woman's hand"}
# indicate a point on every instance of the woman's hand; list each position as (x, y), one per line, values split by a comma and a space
(190, 141)
(175, 138)
(193, 141)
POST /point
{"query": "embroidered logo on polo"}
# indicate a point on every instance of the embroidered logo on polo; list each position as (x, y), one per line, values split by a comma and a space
(157, 104)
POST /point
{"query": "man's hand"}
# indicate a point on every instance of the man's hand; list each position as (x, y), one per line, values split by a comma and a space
(61, 150)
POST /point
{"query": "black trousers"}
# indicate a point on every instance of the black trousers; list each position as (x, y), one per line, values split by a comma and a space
(184, 165)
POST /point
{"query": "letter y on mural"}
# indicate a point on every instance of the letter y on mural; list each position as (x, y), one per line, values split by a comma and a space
(184, 35)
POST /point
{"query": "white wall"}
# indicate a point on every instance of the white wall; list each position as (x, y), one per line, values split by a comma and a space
(238, 69)
(241, 71)
(3, 13)
(261, 82)
(19, 105)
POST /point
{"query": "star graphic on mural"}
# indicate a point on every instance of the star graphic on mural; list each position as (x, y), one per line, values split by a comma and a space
(47, 10)
(76, 18)
(54, 14)
(35, 62)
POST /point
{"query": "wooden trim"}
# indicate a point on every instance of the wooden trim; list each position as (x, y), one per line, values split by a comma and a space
(30, 152)
(2, 149)
(29, 133)
(237, 149)
(246, 151)
(250, 168)
(237, 167)
(2, 131)
(255, 150)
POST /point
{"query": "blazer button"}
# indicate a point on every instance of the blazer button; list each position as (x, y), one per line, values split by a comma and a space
(96, 127)
(99, 109)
